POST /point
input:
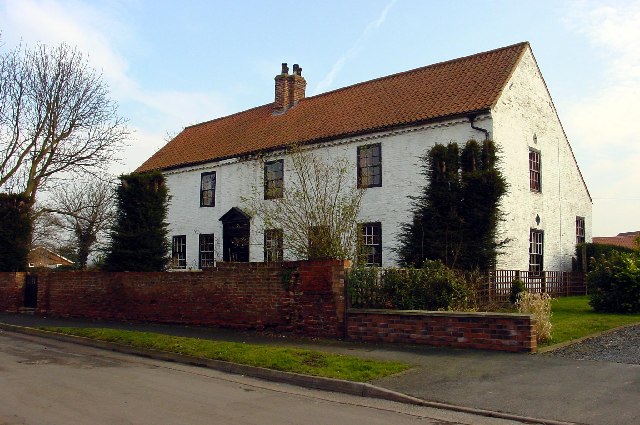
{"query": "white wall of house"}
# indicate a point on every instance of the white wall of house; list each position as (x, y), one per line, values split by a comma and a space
(523, 110)
(523, 118)
(239, 179)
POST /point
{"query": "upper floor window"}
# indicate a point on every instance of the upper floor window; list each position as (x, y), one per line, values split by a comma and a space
(179, 252)
(369, 166)
(535, 181)
(580, 238)
(206, 253)
(536, 250)
(208, 189)
(370, 242)
(273, 179)
(272, 245)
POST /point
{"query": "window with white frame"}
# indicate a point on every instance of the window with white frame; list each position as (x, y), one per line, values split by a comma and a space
(208, 189)
(580, 238)
(179, 252)
(273, 250)
(535, 177)
(206, 252)
(536, 250)
(370, 241)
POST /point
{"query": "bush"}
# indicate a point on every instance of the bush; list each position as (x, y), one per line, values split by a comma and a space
(595, 250)
(432, 287)
(539, 305)
(517, 287)
(614, 283)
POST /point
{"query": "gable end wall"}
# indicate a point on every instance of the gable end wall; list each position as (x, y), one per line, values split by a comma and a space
(523, 110)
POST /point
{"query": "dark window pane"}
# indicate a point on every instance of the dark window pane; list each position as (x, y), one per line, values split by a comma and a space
(208, 189)
(369, 166)
(274, 179)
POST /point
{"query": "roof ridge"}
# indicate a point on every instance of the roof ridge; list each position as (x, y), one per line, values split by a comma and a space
(421, 68)
(227, 116)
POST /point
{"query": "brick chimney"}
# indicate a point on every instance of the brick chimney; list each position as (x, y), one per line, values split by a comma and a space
(289, 88)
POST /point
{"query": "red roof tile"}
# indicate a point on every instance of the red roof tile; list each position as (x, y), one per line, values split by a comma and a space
(460, 86)
(624, 241)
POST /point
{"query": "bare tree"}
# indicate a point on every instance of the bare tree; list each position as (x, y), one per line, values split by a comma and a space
(56, 118)
(317, 208)
(85, 209)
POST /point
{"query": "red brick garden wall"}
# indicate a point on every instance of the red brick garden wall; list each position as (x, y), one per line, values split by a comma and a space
(305, 297)
(487, 331)
(11, 291)
(302, 297)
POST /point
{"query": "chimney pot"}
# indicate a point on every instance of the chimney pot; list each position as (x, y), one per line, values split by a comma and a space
(285, 68)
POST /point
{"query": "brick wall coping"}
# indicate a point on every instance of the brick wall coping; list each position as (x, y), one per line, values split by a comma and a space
(484, 314)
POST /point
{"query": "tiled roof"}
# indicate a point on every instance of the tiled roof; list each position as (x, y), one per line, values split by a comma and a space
(627, 241)
(447, 89)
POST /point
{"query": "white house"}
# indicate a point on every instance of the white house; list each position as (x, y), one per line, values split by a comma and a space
(388, 124)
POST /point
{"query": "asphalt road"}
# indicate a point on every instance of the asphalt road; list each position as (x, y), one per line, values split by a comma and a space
(50, 382)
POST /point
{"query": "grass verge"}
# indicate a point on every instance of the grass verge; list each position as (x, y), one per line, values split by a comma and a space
(305, 362)
(573, 318)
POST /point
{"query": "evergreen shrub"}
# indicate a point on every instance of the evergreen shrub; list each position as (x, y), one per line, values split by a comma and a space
(139, 240)
(595, 251)
(517, 287)
(15, 232)
(614, 283)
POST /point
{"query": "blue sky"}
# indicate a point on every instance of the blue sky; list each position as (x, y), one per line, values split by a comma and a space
(170, 64)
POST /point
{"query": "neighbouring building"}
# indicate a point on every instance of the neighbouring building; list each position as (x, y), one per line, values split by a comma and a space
(41, 257)
(626, 239)
(384, 126)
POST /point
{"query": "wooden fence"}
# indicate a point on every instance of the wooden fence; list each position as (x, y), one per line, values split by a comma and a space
(490, 291)
(555, 283)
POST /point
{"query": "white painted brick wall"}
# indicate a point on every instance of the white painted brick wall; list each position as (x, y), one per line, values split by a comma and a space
(525, 109)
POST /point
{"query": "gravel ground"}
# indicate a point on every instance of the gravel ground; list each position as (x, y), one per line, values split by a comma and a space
(620, 346)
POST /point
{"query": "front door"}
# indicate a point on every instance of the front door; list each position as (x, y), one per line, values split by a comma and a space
(31, 291)
(236, 229)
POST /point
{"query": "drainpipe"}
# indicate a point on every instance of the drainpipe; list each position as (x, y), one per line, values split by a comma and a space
(485, 131)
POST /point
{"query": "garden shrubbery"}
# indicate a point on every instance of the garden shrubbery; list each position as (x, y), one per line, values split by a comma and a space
(614, 282)
(432, 287)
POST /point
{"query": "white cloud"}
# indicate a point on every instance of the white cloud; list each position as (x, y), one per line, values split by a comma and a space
(327, 81)
(603, 123)
(95, 31)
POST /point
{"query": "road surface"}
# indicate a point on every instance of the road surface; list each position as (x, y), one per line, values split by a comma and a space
(50, 382)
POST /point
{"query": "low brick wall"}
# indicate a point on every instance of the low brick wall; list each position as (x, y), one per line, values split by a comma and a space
(486, 331)
(305, 297)
(11, 291)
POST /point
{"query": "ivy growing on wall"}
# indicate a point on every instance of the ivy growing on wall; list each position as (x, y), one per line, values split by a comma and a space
(139, 237)
(455, 218)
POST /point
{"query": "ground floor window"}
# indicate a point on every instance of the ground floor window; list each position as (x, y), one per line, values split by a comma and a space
(536, 245)
(370, 243)
(207, 242)
(179, 252)
(273, 245)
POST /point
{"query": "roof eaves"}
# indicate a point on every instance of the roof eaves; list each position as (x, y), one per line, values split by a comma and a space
(465, 114)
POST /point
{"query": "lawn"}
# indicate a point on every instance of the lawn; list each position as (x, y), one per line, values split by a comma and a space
(573, 318)
(306, 362)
